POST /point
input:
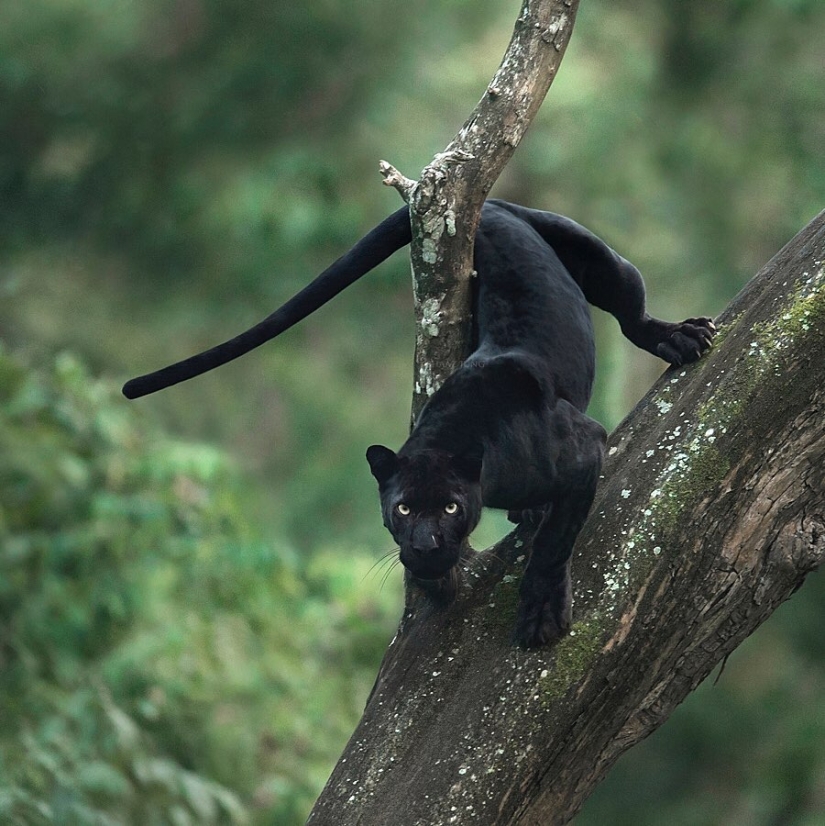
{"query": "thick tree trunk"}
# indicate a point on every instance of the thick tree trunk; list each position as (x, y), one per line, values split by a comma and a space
(710, 514)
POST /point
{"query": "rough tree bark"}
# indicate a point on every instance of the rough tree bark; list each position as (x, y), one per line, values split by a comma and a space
(709, 515)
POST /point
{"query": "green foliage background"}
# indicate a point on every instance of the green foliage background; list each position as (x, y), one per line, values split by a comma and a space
(188, 621)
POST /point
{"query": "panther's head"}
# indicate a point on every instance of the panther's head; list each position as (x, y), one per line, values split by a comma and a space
(431, 502)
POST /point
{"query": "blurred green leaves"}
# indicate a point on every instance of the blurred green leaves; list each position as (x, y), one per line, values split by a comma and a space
(150, 642)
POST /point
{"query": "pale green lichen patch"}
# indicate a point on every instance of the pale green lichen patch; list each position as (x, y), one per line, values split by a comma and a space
(804, 314)
(770, 344)
(449, 222)
(429, 251)
(427, 382)
(430, 316)
(691, 465)
(574, 654)
(692, 456)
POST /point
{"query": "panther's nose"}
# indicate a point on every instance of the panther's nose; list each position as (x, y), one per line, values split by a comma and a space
(424, 544)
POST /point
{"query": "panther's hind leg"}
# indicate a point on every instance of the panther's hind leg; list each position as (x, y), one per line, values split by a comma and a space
(545, 608)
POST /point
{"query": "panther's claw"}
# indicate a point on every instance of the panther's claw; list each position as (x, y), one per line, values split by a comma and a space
(688, 341)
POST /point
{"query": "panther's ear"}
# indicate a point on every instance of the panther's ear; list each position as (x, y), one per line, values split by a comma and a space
(383, 462)
(467, 467)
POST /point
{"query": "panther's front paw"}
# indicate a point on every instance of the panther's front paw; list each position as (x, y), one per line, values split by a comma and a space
(687, 341)
(541, 622)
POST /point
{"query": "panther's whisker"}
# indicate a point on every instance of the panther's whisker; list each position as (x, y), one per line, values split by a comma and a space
(387, 573)
(380, 562)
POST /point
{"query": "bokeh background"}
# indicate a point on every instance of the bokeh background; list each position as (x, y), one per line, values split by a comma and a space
(191, 614)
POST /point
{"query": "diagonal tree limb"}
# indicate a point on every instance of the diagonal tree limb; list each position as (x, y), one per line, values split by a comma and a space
(711, 513)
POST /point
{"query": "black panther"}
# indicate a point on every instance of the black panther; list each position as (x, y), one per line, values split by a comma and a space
(508, 429)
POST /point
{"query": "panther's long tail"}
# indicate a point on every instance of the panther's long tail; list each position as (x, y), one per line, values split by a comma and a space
(390, 235)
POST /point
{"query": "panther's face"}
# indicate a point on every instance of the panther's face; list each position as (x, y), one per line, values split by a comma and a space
(431, 502)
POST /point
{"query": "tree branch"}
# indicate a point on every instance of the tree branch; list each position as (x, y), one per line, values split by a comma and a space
(393, 178)
(445, 204)
(709, 516)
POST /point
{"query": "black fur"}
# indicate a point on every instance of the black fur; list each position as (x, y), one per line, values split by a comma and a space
(508, 429)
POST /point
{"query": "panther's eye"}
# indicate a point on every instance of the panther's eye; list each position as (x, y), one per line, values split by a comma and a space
(451, 509)
(402, 509)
